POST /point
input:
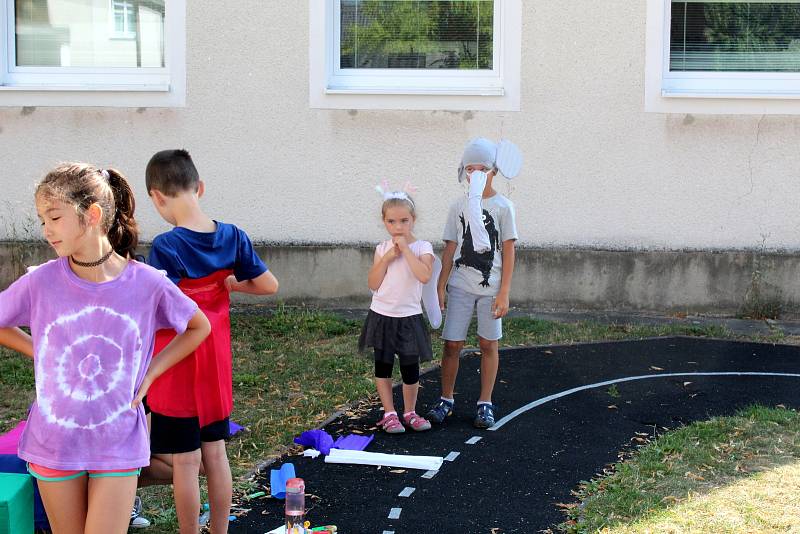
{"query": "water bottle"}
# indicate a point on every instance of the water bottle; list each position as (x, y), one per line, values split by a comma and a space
(295, 505)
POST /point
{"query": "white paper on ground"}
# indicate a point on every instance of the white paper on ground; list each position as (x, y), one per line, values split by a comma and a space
(480, 237)
(311, 453)
(426, 463)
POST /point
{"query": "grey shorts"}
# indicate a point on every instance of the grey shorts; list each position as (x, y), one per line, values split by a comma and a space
(458, 315)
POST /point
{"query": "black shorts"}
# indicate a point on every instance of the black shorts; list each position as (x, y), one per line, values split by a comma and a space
(173, 435)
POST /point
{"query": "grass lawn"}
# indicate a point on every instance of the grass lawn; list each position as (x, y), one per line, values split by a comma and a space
(729, 474)
(293, 368)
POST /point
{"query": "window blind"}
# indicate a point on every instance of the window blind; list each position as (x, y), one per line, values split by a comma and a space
(735, 36)
(411, 34)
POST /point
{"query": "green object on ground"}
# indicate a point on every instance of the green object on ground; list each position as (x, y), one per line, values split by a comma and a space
(16, 503)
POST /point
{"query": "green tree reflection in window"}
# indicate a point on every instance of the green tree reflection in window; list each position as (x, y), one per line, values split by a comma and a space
(410, 34)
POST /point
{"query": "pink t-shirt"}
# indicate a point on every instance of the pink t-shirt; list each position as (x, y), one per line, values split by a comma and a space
(92, 346)
(400, 292)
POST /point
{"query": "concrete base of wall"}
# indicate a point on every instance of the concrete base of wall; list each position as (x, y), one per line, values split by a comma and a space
(720, 283)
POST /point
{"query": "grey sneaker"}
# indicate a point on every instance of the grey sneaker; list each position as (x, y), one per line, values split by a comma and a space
(485, 416)
(440, 411)
(137, 521)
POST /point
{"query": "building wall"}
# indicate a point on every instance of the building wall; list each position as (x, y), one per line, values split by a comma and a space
(599, 172)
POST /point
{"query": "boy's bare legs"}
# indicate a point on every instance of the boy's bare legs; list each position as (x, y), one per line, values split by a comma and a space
(490, 361)
(65, 504)
(220, 484)
(158, 473)
(450, 356)
(186, 487)
(110, 503)
(384, 387)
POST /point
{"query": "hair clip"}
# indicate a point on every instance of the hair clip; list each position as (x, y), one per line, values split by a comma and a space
(104, 173)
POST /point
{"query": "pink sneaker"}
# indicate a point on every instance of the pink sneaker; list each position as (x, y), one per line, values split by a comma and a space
(391, 424)
(417, 422)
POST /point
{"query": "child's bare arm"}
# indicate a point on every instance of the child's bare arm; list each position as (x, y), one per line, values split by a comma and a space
(500, 306)
(421, 268)
(16, 339)
(264, 284)
(379, 265)
(180, 347)
(448, 254)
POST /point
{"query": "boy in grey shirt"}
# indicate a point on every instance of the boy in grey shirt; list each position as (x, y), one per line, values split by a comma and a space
(477, 266)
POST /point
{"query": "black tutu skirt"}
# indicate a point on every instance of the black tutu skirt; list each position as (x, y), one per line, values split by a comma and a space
(408, 337)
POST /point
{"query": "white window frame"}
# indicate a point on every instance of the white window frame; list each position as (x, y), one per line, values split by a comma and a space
(709, 92)
(126, 33)
(425, 89)
(87, 86)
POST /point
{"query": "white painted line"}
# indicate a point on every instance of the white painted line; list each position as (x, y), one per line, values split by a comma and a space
(473, 440)
(388, 532)
(555, 396)
(406, 492)
(395, 513)
(452, 456)
(430, 474)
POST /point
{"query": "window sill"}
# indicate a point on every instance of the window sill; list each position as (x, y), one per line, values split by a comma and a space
(159, 88)
(776, 95)
(444, 91)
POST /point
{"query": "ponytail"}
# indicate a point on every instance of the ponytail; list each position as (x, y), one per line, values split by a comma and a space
(123, 232)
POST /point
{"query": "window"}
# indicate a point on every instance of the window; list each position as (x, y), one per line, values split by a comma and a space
(123, 20)
(92, 52)
(457, 54)
(729, 50)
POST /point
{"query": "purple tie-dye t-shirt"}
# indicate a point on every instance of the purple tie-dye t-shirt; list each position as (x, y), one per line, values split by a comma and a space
(92, 345)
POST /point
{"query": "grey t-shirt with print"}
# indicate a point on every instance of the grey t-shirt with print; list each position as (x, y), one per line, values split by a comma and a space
(479, 274)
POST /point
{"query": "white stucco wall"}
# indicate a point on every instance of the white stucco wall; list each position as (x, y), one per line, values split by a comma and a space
(600, 172)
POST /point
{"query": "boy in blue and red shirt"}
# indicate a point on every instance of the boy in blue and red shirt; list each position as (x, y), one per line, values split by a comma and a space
(191, 404)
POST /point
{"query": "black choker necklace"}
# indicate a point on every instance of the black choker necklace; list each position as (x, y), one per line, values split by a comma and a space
(93, 263)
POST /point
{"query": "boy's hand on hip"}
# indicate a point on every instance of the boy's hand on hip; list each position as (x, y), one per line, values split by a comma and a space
(230, 283)
(500, 306)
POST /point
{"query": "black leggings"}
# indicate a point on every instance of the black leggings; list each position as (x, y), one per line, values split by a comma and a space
(410, 373)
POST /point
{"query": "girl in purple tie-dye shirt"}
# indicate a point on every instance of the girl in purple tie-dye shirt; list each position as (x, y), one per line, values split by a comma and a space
(92, 315)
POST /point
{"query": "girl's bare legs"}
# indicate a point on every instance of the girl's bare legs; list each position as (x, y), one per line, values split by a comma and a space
(186, 487)
(110, 503)
(410, 397)
(220, 484)
(65, 504)
(384, 386)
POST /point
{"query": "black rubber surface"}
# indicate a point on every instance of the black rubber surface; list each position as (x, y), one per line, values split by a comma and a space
(512, 478)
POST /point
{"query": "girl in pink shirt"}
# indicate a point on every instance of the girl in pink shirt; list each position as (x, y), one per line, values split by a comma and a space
(394, 324)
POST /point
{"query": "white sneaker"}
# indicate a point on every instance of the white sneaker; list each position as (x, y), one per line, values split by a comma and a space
(137, 521)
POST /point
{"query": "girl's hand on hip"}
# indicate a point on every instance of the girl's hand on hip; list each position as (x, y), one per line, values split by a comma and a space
(442, 298)
(137, 400)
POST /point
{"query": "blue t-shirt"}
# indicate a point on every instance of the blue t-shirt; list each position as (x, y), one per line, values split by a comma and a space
(184, 253)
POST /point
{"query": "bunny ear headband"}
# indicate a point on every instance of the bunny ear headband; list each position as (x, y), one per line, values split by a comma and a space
(403, 194)
(503, 156)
